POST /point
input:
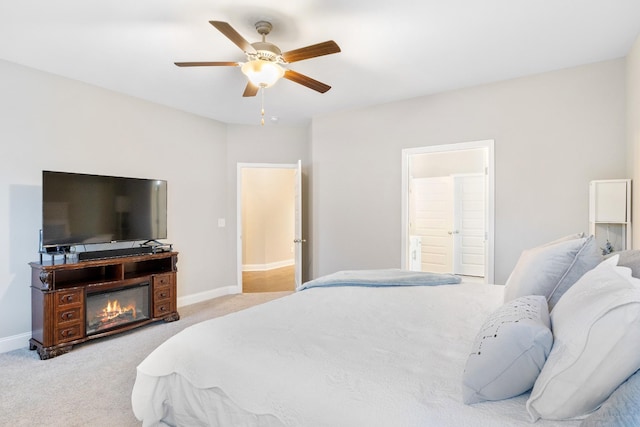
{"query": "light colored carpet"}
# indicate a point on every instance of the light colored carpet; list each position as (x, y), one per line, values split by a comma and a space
(91, 385)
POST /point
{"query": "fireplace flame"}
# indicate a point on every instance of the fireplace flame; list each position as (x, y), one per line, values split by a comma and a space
(113, 310)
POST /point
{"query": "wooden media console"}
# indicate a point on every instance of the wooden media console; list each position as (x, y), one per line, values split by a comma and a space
(64, 296)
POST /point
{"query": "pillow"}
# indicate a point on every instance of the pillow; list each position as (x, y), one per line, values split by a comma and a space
(596, 329)
(587, 258)
(551, 269)
(565, 238)
(621, 408)
(630, 258)
(509, 351)
(613, 261)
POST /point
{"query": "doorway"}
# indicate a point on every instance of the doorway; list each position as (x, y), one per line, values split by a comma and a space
(447, 209)
(269, 223)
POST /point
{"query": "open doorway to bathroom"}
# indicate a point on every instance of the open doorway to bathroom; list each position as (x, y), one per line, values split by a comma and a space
(447, 219)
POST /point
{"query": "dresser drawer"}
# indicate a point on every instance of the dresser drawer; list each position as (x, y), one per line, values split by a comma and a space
(163, 279)
(162, 308)
(162, 293)
(68, 298)
(70, 314)
(68, 333)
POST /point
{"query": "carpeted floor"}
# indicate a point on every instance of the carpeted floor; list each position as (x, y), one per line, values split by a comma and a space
(91, 385)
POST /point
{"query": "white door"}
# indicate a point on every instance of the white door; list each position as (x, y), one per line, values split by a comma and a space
(298, 240)
(469, 225)
(431, 211)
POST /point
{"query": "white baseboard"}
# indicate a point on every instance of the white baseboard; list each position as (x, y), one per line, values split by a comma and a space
(14, 342)
(269, 266)
(207, 295)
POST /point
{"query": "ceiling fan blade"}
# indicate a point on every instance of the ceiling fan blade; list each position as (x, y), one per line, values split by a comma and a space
(233, 35)
(320, 49)
(294, 76)
(250, 90)
(207, 64)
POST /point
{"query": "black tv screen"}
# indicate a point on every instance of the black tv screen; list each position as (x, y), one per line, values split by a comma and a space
(83, 209)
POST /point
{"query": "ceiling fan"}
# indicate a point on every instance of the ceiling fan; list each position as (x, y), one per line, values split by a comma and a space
(264, 60)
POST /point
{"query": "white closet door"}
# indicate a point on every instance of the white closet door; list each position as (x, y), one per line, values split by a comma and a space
(431, 216)
(469, 225)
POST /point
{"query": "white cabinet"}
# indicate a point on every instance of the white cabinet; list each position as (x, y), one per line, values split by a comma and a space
(610, 213)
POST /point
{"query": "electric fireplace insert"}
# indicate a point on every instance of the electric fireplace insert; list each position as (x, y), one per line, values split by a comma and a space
(116, 308)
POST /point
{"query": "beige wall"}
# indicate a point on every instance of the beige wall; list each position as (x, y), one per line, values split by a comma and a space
(553, 133)
(633, 135)
(268, 217)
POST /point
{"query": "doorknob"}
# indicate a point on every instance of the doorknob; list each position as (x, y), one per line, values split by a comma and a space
(299, 241)
(453, 232)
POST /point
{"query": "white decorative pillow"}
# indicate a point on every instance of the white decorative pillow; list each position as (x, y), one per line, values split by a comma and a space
(551, 269)
(596, 329)
(509, 351)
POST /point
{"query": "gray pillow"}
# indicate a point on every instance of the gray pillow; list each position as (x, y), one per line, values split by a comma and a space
(631, 259)
(551, 269)
(621, 409)
(509, 351)
(587, 258)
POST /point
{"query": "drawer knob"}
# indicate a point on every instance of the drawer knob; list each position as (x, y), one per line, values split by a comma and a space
(163, 295)
(67, 315)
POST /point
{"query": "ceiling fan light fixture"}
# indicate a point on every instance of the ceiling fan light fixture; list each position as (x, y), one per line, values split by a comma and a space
(262, 73)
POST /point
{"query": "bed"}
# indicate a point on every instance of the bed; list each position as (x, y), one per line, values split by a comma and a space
(346, 355)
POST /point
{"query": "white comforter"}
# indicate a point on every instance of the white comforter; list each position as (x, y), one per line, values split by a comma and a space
(343, 356)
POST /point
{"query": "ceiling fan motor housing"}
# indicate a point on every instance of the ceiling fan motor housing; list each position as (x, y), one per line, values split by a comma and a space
(264, 50)
(267, 51)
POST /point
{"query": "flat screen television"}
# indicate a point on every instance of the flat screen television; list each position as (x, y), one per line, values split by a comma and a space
(80, 209)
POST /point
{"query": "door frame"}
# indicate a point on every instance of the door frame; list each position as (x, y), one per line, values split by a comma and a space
(239, 168)
(488, 145)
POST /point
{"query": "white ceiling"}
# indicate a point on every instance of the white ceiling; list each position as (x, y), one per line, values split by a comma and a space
(391, 50)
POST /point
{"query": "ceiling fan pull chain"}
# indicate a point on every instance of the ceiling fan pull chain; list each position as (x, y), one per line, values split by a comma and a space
(262, 110)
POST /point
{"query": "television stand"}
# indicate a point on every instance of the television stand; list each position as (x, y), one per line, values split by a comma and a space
(61, 315)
